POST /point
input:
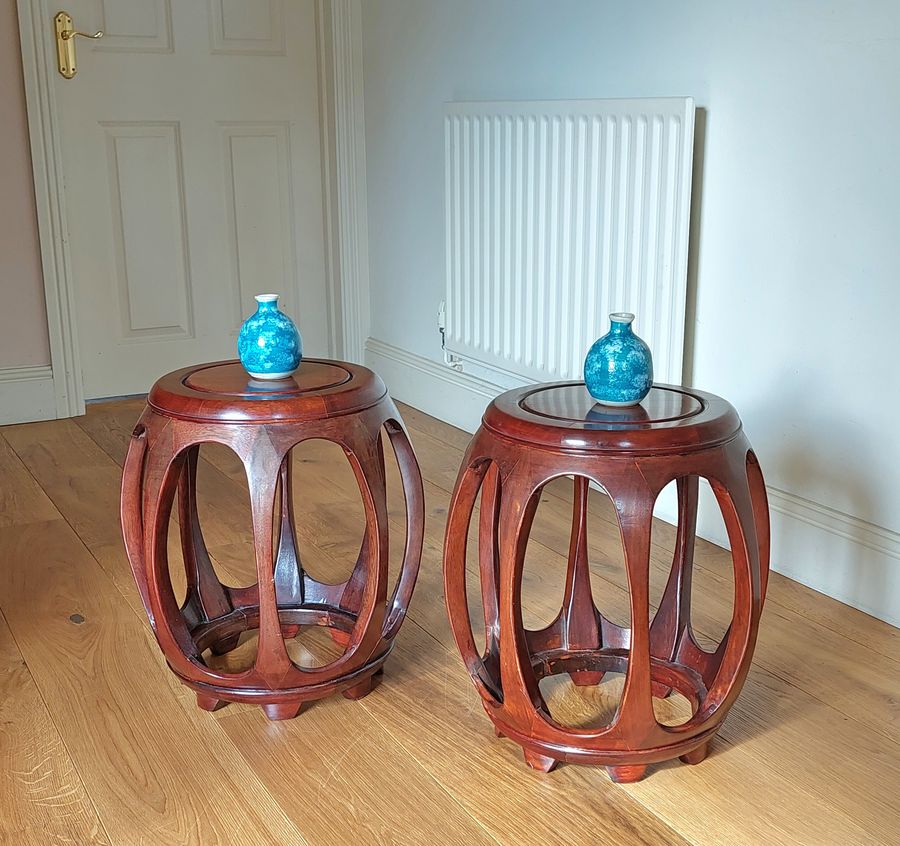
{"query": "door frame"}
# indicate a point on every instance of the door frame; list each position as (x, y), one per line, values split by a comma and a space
(342, 136)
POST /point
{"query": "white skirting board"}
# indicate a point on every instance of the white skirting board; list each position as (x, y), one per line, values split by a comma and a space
(26, 395)
(848, 559)
(454, 397)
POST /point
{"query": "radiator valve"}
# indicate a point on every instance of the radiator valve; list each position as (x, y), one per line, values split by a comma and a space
(452, 361)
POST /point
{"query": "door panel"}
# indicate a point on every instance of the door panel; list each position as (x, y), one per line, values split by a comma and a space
(132, 25)
(240, 27)
(260, 210)
(151, 274)
(193, 180)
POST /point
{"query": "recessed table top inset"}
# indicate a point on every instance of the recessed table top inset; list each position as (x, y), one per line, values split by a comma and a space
(565, 415)
(231, 379)
(224, 392)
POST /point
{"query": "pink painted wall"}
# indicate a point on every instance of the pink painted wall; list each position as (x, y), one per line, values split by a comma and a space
(23, 318)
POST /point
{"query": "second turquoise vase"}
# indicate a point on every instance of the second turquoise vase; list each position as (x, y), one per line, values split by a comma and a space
(269, 345)
(618, 370)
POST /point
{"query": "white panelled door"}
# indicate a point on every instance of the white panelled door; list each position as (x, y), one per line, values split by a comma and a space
(193, 180)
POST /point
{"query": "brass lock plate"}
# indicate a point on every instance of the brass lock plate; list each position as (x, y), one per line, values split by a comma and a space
(65, 47)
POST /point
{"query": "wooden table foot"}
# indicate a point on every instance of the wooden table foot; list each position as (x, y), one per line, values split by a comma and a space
(539, 762)
(225, 645)
(586, 678)
(695, 756)
(627, 773)
(364, 688)
(282, 710)
(659, 690)
(339, 637)
(209, 703)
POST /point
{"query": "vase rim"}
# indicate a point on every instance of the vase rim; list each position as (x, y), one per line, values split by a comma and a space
(621, 317)
(266, 298)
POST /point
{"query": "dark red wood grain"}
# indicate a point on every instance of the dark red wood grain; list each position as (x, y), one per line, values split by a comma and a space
(532, 435)
(261, 422)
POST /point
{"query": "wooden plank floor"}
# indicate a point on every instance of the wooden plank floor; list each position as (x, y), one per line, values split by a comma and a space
(99, 745)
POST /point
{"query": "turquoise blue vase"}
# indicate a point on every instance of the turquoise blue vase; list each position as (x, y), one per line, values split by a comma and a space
(269, 345)
(618, 370)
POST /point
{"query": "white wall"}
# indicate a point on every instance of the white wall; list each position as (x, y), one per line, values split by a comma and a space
(795, 269)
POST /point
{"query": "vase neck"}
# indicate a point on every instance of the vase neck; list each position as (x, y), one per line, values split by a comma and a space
(267, 302)
(618, 328)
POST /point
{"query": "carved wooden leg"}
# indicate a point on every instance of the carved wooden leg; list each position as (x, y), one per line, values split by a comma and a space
(539, 762)
(372, 465)
(627, 773)
(282, 710)
(518, 505)
(580, 624)
(353, 589)
(695, 756)
(210, 703)
(131, 508)
(364, 594)
(363, 688)
(414, 497)
(272, 661)
(206, 597)
(288, 568)
(489, 558)
(162, 473)
(674, 612)
(760, 505)
(730, 663)
(458, 519)
(634, 507)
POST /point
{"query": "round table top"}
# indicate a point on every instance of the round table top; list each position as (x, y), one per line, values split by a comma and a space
(563, 415)
(223, 392)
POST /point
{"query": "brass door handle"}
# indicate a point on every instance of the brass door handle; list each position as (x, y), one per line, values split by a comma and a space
(71, 33)
(65, 42)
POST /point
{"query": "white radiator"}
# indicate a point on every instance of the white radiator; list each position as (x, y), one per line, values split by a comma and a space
(558, 213)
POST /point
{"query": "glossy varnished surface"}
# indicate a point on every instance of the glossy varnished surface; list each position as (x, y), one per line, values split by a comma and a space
(262, 421)
(535, 435)
(100, 744)
(565, 415)
(224, 392)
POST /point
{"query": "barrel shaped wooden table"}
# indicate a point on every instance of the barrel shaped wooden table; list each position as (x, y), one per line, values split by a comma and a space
(261, 422)
(533, 435)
